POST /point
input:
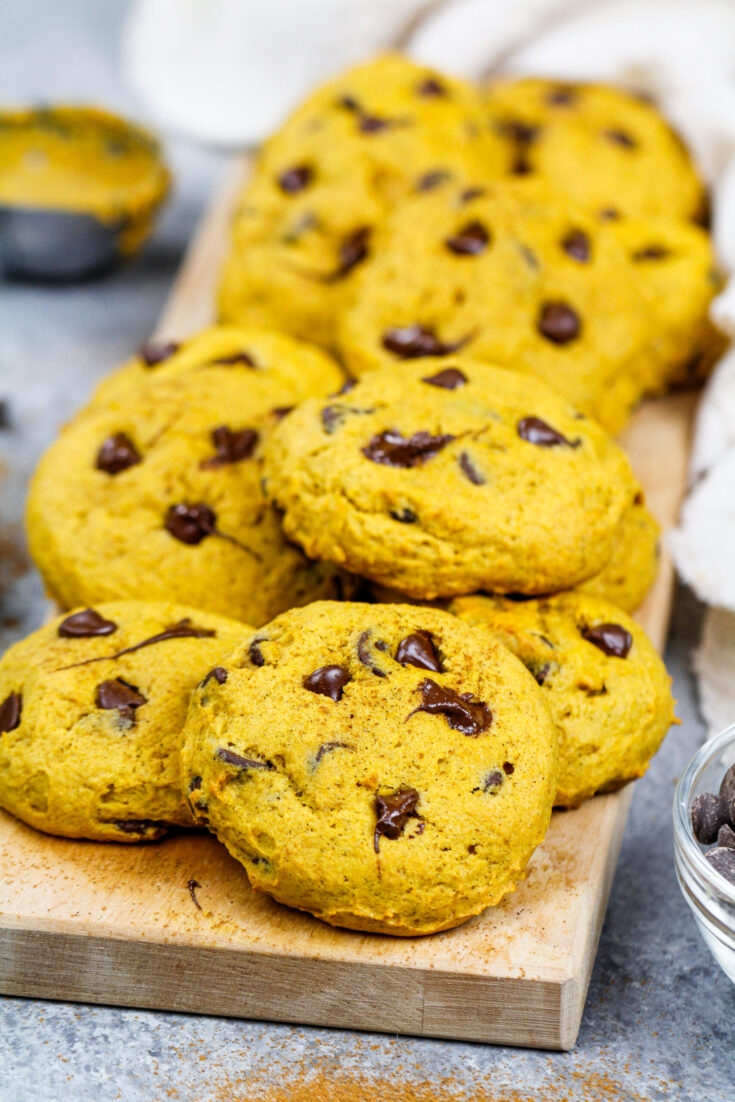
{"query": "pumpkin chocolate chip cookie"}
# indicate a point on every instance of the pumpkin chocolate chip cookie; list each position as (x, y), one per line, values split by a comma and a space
(606, 687)
(157, 495)
(449, 477)
(385, 768)
(91, 712)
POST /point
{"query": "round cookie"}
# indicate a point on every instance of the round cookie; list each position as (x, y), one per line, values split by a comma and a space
(297, 365)
(92, 708)
(606, 687)
(513, 275)
(626, 579)
(448, 477)
(385, 768)
(157, 495)
(306, 221)
(606, 149)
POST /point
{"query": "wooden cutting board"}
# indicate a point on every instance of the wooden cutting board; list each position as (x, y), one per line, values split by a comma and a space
(89, 922)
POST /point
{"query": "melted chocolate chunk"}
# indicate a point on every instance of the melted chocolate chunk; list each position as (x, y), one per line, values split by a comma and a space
(85, 625)
(218, 674)
(192, 885)
(295, 179)
(373, 124)
(418, 649)
(535, 431)
(363, 654)
(10, 712)
(470, 470)
(347, 386)
(723, 860)
(235, 358)
(121, 696)
(281, 411)
(612, 639)
(230, 758)
(190, 523)
(559, 323)
(620, 137)
(327, 747)
(395, 450)
(461, 711)
(393, 812)
(708, 814)
(117, 453)
(431, 180)
(412, 342)
(328, 681)
(448, 379)
(182, 629)
(195, 784)
(353, 250)
(404, 516)
(492, 781)
(153, 353)
(577, 245)
(139, 826)
(471, 193)
(651, 252)
(471, 240)
(230, 446)
(255, 653)
(432, 87)
(508, 768)
(520, 132)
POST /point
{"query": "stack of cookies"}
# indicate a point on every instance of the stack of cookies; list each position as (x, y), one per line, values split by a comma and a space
(348, 577)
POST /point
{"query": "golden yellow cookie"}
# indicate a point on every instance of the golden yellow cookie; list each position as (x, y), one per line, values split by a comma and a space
(323, 184)
(606, 687)
(257, 353)
(516, 276)
(627, 577)
(157, 495)
(448, 477)
(92, 708)
(383, 767)
(609, 151)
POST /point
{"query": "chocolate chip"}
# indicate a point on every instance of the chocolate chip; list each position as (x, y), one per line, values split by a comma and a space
(349, 103)
(192, 885)
(84, 625)
(411, 342)
(295, 179)
(347, 386)
(235, 358)
(431, 87)
(651, 252)
(727, 787)
(195, 783)
(492, 781)
(281, 411)
(121, 696)
(117, 453)
(139, 826)
(434, 179)
(470, 470)
(709, 813)
(255, 653)
(448, 379)
(561, 96)
(559, 323)
(395, 450)
(153, 353)
(230, 446)
(471, 240)
(10, 712)
(328, 681)
(353, 250)
(535, 431)
(726, 836)
(182, 629)
(462, 712)
(393, 812)
(520, 132)
(218, 674)
(723, 860)
(404, 516)
(190, 523)
(612, 639)
(508, 768)
(327, 747)
(418, 650)
(363, 654)
(332, 416)
(577, 245)
(372, 124)
(620, 137)
(609, 214)
(230, 758)
(521, 165)
(471, 193)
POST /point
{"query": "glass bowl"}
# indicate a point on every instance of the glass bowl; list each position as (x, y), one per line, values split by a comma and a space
(710, 896)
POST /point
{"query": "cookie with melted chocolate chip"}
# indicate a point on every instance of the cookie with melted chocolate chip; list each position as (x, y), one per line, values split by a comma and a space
(493, 483)
(386, 768)
(92, 706)
(606, 687)
(309, 218)
(546, 288)
(155, 493)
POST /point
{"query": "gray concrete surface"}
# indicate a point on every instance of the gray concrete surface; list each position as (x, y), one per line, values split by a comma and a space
(660, 1017)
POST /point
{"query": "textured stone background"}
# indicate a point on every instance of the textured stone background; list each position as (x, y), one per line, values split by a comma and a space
(660, 1017)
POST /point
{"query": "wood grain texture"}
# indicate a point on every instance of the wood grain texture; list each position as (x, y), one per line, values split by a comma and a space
(91, 922)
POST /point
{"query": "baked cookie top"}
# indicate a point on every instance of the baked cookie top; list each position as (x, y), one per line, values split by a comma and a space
(92, 707)
(448, 477)
(608, 150)
(323, 183)
(606, 687)
(257, 353)
(384, 768)
(512, 274)
(157, 495)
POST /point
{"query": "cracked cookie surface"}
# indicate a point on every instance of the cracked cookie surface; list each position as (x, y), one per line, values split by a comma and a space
(448, 477)
(606, 687)
(92, 707)
(385, 768)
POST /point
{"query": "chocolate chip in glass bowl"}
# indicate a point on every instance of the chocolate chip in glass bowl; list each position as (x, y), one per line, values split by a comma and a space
(471, 240)
(559, 323)
(723, 860)
(726, 837)
(727, 787)
(611, 639)
(535, 431)
(295, 179)
(10, 712)
(328, 681)
(708, 814)
(461, 711)
(450, 378)
(85, 625)
(117, 453)
(418, 650)
(577, 245)
(393, 811)
(153, 353)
